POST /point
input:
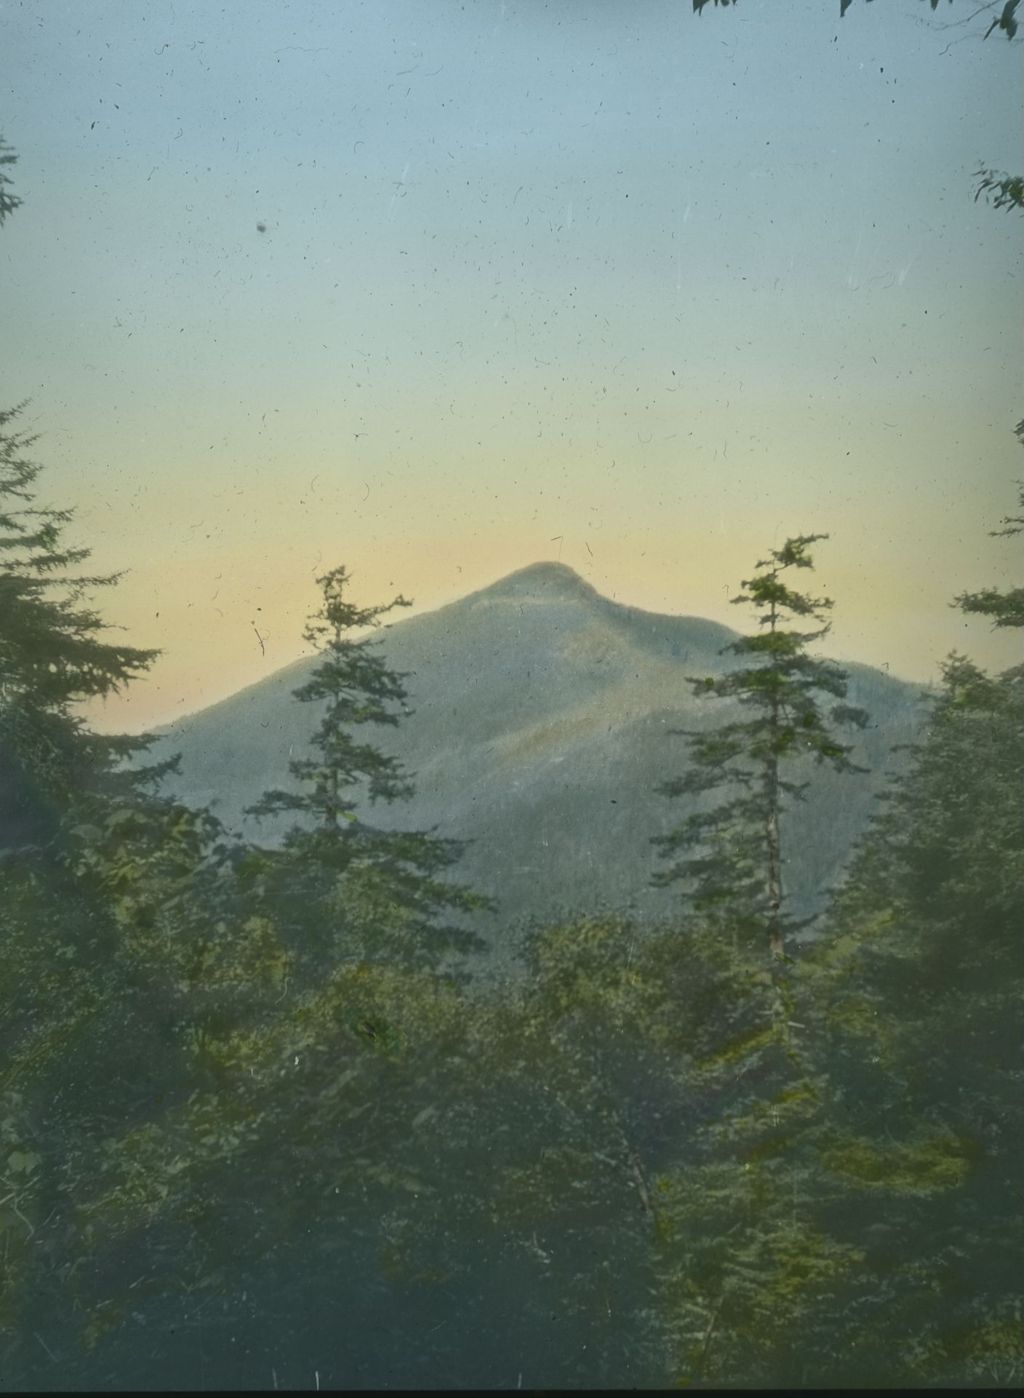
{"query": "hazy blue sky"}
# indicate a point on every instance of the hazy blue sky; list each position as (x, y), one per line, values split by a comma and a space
(579, 279)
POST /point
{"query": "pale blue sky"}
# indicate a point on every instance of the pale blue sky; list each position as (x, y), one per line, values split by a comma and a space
(594, 280)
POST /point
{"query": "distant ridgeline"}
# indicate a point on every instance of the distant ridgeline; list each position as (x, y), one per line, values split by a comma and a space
(542, 724)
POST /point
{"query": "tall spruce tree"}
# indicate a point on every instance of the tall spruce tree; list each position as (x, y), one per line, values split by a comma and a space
(89, 852)
(335, 860)
(746, 1255)
(731, 856)
(921, 978)
(54, 653)
(353, 683)
(53, 656)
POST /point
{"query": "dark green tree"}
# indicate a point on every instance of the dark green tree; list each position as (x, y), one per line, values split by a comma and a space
(1006, 608)
(53, 656)
(731, 856)
(353, 683)
(920, 975)
(94, 864)
(333, 858)
(921, 978)
(96, 936)
(1001, 190)
(747, 1257)
(8, 201)
(54, 649)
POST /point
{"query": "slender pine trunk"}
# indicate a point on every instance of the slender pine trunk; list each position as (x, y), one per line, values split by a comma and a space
(772, 837)
(333, 787)
(331, 813)
(775, 937)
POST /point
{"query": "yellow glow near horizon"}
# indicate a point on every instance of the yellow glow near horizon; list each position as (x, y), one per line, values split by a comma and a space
(644, 306)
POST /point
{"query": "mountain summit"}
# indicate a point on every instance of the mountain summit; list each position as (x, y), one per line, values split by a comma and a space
(540, 581)
(543, 723)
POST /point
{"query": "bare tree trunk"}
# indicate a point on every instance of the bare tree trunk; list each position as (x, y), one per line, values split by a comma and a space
(709, 1332)
(641, 1184)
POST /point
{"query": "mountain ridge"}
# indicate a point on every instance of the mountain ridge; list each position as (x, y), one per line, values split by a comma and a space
(543, 581)
(540, 732)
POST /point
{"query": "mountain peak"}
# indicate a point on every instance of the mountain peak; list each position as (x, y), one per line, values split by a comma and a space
(540, 581)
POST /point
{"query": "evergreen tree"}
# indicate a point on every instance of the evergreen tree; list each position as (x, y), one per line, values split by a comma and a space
(746, 1256)
(93, 866)
(94, 869)
(921, 974)
(8, 201)
(53, 656)
(731, 856)
(353, 683)
(1005, 608)
(339, 873)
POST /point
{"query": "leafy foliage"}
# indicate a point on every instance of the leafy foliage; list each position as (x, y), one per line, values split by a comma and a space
(1001, 190)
